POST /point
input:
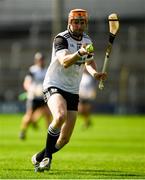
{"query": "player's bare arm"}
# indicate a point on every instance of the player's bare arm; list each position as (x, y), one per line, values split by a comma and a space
(27, 83)
(92, 69)
(66, 59)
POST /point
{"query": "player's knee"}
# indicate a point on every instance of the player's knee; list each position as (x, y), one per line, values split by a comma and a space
(60, 118)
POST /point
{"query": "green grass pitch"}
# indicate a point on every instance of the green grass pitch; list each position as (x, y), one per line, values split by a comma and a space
(112, 148)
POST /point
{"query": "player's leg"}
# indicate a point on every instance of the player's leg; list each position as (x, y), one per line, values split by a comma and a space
(47, 115)
(32, 115)
(67, 129)
(42, 111)
(58, 107)
(61, 121)
(64, 137)
(37, 114)
(26, 120)
(84, 110)
(38, 111)
(64, 113)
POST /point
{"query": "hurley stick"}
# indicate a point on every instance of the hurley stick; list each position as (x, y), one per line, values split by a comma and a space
(113, 28)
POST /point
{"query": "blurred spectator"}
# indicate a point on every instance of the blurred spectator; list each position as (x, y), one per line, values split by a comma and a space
(35, 106)
(87, 95)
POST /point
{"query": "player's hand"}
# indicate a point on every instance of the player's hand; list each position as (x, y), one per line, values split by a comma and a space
(83, 50)
(100, 76)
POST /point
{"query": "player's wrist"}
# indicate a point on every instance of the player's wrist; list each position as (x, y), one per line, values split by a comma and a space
(95, 75)
(79, 53)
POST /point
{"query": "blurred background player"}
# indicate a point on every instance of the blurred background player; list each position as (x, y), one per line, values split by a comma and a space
(87, 94)
(35, 105)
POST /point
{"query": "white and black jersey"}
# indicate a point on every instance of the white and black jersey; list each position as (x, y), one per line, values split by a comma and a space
(67, 79)
(36, 74)
(87, 88)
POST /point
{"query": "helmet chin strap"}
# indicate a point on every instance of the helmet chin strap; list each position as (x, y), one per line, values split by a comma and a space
(74, 35)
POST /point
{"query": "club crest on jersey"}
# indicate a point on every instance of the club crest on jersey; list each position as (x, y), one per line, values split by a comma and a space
(72, 45)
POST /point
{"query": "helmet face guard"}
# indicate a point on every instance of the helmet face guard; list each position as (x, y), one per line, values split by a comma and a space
(78, 14)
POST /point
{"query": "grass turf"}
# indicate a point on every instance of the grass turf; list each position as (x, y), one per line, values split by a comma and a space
(112, 148)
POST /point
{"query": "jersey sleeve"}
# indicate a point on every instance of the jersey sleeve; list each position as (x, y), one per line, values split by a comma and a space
(60, 43)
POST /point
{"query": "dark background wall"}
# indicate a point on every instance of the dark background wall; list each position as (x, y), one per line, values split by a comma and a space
(27, 26)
